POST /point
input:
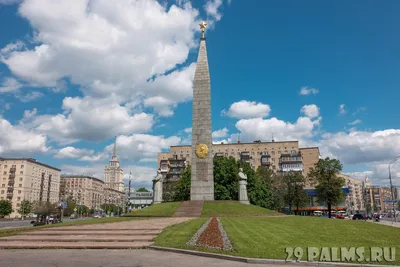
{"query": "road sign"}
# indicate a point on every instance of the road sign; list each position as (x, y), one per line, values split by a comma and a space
(75, 209)
(64, 204)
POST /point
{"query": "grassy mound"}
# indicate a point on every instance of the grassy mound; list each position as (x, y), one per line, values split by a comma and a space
(216, 208)
(158, 210)
(267, 237)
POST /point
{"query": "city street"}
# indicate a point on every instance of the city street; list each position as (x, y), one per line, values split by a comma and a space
(114, 258)
(24, 223)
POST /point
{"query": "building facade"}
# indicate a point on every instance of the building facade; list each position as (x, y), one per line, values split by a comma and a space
(376, 197)
(279, 156)
(355, 198)
(113, 173)
(116, 197)
(28, 179)
(140, 200)
(86, 190)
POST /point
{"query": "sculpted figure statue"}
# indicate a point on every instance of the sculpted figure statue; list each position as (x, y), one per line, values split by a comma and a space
(243, 187)
(157, 188)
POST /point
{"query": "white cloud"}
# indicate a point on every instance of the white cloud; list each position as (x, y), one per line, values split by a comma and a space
(220, 133)
(70, 152)
(355, 122)
(263, 129)
(379, 174)
(247, 109)
(188, 130)
(15, 140)
(96, 45)
(342, 109)
(225, 141)
(212, 9)
(311, 111)
(142, 146)
(358, 147)
(10, 85)
(91, 120)
(308, 91)
(359, 110)
(29, 114)
(31, 96)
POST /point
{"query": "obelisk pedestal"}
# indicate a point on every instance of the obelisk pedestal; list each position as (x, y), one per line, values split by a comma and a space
(202, 182)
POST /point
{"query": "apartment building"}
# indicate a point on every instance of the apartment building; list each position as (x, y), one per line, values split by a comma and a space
(376, 196)
(116, 197)
(28, 179)
(354, 200)
(86, 190)
(113, 173)
(279, 156)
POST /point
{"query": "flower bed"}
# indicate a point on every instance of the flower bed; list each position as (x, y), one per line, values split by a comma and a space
(211, 235)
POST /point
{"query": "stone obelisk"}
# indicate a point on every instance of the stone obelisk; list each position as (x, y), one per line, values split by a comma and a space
(202, 187)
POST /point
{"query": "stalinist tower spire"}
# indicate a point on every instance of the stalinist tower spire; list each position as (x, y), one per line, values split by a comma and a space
(114, 156)
(202, 186)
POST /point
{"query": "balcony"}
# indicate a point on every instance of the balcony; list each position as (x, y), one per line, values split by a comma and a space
(13, 170)
(219, 154)
(290, 158)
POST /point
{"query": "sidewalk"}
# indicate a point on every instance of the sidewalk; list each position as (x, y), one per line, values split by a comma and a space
(389, 223)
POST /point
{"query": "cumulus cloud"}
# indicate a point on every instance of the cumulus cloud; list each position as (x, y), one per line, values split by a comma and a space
(212, 9)
(308, 91)
(311, 111)
(379, 174)
(29, 114)
(263, 129)
(70, 152)
(31, 96)
(358, 147)
(247, 109)
(142, 147)
(91, 119)
(15, 140)
(188, 130)
(342, 109)
(220, 133)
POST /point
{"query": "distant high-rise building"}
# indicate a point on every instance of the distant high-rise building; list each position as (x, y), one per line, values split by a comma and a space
(113, 173)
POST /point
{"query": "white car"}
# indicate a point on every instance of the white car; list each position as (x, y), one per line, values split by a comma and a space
(96, 216)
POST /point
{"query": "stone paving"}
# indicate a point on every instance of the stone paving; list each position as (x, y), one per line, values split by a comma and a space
(119, 235)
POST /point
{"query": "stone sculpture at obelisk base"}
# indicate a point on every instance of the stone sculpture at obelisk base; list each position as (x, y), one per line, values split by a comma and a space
(157, 188)
(202, 181)
(243, 187)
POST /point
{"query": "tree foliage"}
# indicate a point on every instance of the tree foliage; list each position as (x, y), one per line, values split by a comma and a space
(142, 189)
(5, 208)
(25, 208)
(225, 178)
(45, 208)
(182, 188)
(329, 185)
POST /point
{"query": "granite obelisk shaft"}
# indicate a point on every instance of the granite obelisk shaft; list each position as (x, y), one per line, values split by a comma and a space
(202, 187)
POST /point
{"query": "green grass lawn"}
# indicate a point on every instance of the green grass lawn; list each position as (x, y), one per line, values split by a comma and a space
(267, 237)
(177, 235)
(159, 210)
(15, 231)
(233, 208)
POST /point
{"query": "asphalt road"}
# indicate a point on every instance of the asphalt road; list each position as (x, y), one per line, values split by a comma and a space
(24, 223)
(110, 258)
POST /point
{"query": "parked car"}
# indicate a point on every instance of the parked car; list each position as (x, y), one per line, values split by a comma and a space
(339, 216)
(358, 216)
(73, 216)
(96, 216)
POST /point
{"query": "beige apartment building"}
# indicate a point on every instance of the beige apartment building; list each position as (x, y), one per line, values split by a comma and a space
(279, 156)
(113, 173)
(86, 190)
(354, 200)
(28, 179)
(116, 197)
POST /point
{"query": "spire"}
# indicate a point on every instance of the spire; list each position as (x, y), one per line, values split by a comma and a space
(115, 149)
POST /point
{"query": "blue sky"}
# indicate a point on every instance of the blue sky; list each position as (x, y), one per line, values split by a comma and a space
(73, 75)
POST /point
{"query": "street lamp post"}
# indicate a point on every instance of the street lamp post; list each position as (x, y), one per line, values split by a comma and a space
(391, 187)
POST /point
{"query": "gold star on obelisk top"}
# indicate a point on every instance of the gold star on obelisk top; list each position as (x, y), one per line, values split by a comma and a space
(203, 26)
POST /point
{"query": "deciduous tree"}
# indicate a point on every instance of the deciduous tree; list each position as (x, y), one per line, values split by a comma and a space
(5, 208)
(329, 185)
(25, 208)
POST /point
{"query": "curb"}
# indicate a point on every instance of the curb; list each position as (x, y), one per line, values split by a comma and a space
(262, 261)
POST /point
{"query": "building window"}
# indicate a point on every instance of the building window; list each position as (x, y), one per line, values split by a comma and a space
(187, 155)
(2, 191)
(21, 172)
(273, 153)
(273, 160)
(18, 198)
(279, 152)
(20, 179)
(3, 185)
(22, 166)
(18, 204)
(4, 172)
(19, 191)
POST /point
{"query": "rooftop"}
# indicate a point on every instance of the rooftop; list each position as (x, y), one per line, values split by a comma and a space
(252, 143)
(32, 160)
(70, 176)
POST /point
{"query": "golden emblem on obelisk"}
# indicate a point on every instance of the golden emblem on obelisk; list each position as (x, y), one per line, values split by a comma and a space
(203, 26)
(201, 150)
